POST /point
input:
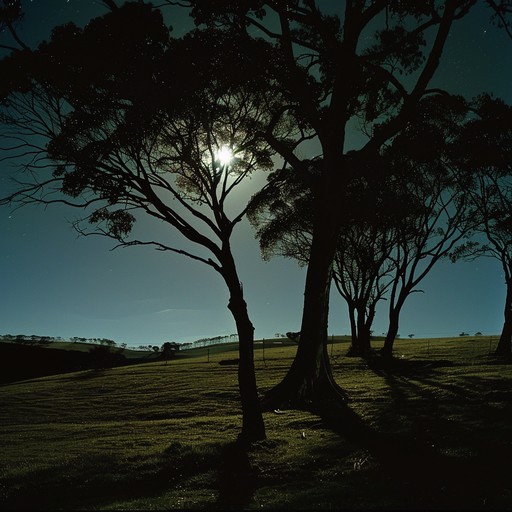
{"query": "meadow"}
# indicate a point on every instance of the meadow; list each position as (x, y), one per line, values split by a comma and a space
(430, 430)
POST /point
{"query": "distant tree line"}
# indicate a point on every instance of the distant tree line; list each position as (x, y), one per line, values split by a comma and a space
(101, 341)
(205, 342)
(35, 339)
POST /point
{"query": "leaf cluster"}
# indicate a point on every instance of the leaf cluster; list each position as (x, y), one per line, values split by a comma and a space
(144, 120)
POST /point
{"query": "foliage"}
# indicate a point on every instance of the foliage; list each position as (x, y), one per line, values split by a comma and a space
(401, 216)
(103, 357)
(125, 132)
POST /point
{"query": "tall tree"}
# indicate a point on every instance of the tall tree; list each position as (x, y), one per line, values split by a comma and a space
(486, 177)
(440, 216)
(152, 128)
(282, 216)
(368, 61)
(362, 271)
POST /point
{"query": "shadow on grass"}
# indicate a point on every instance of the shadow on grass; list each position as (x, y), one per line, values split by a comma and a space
(96, 482)
(236, 478)
(439, 463)
(86, 375)
(384, 366)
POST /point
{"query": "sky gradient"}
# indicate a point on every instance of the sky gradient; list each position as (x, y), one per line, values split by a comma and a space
(57, 284)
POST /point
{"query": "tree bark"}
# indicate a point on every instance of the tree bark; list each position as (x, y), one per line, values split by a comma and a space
(354, 344)
(504, 347)
(361, 339)
(253, 426)
(394, 317)
(309, 380)
(363, 333)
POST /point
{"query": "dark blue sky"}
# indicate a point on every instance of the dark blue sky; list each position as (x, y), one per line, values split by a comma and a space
(56, 284)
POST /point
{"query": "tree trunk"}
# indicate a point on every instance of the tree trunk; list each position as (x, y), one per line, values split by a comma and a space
(361, 343)
(309, 380)
(365, 345)
(354, 344)
(253, 426)
(387, 349)
(363, 333)
(504, 347)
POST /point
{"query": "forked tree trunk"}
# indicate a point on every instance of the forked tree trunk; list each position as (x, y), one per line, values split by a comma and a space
(253, 426)
(504, 347)
(361, 342)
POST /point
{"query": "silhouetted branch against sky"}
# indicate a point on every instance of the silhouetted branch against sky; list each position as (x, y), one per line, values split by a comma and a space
(131, 150)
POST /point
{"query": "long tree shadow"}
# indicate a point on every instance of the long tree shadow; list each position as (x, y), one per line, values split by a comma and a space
(84, 485)
(236, 477)
(410, 458)
(100, 481)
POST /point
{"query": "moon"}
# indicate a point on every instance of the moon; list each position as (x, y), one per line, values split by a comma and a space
(224, 156)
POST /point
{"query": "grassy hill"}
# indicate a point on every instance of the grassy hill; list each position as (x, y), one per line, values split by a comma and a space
(160, 435)
(22, 361)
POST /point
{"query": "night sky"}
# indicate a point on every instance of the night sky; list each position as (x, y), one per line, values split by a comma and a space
(57, 284)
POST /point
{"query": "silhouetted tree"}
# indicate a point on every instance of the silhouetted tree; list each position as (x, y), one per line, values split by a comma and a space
(369, 63)
(283, 217)
(101, 357)
(441, 217)
(143, 131)
(168, 350)
(486, 177)
(398, 227)
(361, 274)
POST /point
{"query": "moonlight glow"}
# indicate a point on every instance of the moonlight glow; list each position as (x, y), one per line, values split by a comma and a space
(224, 156)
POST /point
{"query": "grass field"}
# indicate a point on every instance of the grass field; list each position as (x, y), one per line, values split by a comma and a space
(159, 436)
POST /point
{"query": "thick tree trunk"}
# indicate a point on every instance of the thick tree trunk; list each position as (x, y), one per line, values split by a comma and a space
(253, 427)
(504, 347)
(309, 379)
(365, 345)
